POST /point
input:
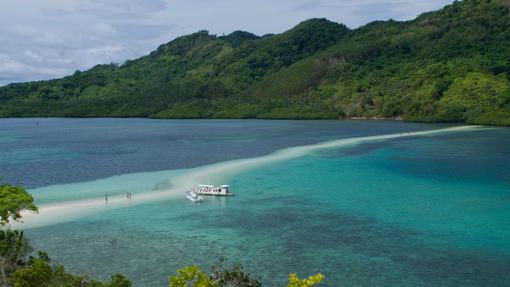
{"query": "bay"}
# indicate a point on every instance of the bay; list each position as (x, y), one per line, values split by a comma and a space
(426, 210)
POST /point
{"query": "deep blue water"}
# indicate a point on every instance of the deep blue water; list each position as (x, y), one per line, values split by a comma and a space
(38, 152)
(414, 211)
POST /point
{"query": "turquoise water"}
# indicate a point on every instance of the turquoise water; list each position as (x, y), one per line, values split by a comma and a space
(409, 211)
(38, 152)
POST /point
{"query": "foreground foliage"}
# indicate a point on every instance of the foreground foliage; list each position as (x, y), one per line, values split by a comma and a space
(14, 249)
(451, 65)
(18, 269)
(192, 276)
(294, 280)
(234, 276)
(14, 199)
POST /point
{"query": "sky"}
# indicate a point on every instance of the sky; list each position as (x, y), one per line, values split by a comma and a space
(44, 39)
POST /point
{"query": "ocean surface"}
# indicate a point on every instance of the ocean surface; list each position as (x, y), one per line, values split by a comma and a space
(367, 203)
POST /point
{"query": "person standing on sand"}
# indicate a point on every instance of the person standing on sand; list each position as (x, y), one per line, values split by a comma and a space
(106, 199)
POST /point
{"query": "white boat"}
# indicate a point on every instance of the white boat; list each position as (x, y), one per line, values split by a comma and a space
(211, 190)
(194, 196)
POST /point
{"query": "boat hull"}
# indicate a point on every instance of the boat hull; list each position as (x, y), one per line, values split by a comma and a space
(216, 195)
(194, 197)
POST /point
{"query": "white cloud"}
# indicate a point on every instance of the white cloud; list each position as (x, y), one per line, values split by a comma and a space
(104, 30)
(32, 56)
(11, 67)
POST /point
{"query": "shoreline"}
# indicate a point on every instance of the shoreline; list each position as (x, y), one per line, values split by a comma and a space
(398, 118)
(394, 119)
(374, 118)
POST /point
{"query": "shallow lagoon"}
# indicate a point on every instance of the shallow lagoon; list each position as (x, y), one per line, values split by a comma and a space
(411, 211)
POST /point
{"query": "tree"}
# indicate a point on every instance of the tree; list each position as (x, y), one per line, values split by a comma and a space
(191, 276)
(14, 199)
(14, 249)
(294, 280)
(235, 277)
(117, 280)
(474, 95)
(38, 273)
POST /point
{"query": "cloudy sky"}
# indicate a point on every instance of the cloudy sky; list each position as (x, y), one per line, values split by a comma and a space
(43, 39)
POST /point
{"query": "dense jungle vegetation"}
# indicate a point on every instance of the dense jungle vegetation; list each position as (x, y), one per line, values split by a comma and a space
(451, 65)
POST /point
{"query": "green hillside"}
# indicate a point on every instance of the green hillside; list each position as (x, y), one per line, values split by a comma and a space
(451, 65)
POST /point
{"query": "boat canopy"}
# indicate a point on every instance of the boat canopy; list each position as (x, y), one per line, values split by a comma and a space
(206, 185)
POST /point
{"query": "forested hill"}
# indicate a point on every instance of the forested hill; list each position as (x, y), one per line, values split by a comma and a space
(451, 65)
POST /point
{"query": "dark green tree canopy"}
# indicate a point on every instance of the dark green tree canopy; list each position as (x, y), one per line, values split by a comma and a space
(14, 199)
